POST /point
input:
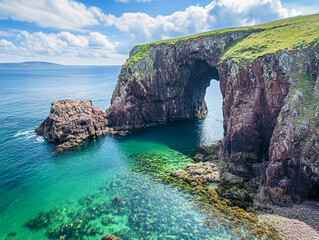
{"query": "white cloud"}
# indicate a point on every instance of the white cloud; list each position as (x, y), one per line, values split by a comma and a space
(5, 43)
(99, 40)
(73, 40)
(59, 14)
(57, 47)
(194, 19)
(66, 42)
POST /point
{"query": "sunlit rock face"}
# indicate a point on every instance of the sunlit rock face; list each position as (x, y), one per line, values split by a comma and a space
(264, 133)
(71, 122)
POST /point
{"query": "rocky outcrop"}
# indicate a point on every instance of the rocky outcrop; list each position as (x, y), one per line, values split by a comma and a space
(70, 123)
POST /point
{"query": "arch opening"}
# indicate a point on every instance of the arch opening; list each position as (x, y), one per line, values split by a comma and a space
(200, 76)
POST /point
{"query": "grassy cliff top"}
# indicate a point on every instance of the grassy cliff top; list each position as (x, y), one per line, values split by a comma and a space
(286, 34)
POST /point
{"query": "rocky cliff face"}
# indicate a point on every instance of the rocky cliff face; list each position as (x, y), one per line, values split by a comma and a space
(293, 172)
(263, 134)
(271, 114)
(169, 84)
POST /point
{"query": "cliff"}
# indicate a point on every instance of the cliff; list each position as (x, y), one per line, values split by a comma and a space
(269, 80)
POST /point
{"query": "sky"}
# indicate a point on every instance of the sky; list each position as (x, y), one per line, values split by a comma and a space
(102, 32)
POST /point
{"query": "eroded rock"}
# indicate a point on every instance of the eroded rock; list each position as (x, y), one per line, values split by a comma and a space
(72, 122)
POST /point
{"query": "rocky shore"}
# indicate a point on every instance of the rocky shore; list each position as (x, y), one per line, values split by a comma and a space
(300, 221)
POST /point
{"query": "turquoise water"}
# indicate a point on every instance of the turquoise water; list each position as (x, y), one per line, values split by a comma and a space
(45, 195)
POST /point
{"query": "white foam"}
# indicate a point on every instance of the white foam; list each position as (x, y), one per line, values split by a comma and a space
(22, 133)
(31, 136)
(40, 139)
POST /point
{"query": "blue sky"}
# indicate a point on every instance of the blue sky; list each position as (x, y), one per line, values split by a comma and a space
(102, 32)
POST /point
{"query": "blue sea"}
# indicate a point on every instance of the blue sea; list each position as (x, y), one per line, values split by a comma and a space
(45, 195)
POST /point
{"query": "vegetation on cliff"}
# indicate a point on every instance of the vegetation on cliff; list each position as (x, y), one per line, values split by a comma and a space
(287, 34)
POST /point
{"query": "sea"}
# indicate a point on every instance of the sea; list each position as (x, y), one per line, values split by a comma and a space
(107, 186)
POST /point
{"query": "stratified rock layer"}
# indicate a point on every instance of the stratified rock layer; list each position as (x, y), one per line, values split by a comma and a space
(70, 123)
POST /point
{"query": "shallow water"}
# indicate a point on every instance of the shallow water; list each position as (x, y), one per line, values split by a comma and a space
(47, 195)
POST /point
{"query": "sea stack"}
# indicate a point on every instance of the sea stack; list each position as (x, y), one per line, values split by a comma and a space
(72, 122)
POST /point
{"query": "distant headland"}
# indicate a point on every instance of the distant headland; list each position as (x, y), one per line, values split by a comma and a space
(30, 63)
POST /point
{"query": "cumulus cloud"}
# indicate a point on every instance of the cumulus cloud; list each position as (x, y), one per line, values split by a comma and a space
(67, 43)
(91, 46)
(194, 19)
(5, 43)
(62, 47)
(60, 14)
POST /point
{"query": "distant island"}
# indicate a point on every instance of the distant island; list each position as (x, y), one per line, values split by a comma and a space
(31, 63)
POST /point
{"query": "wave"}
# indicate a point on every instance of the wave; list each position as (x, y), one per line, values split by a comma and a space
(31, 136)
(23, 133)
(40, 139)
(26, 135)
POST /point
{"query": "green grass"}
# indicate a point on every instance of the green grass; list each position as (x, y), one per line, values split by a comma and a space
(287, 34)
(306, 85)
(141, 54)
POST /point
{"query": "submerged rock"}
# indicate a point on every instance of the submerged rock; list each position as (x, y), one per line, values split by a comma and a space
(110, 237)
(72, 122)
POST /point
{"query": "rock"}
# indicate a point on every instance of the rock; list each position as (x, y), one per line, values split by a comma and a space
(117, 200)
(110, 237)
(198, 157)
(11, 234)
(178, 173)
(229, 177)
(204, 171)
(73, 122)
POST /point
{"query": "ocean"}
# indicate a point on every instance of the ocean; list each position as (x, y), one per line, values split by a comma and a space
(45, 195)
